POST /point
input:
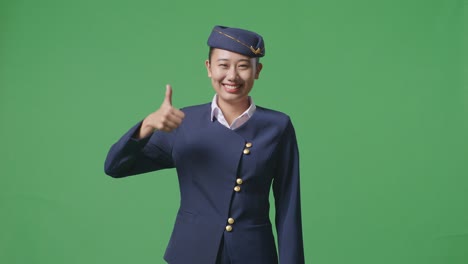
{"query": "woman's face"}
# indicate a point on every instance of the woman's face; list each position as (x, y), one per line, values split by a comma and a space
(232, 75)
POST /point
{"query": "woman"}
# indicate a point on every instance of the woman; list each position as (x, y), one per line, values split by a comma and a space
(228, 154)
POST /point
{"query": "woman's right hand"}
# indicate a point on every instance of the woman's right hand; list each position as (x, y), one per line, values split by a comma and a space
(166, 118)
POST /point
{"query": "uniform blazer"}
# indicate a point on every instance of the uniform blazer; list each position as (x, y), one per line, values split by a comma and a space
(225, 178)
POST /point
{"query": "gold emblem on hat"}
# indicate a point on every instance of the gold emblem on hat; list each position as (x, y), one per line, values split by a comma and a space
(256, 51)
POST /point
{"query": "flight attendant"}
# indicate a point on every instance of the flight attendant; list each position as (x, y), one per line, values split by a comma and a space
(228, 154)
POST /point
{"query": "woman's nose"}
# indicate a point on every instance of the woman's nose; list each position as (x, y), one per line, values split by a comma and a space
(232, 74)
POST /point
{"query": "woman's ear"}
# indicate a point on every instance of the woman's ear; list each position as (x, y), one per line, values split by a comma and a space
(208, 67)
(259, 68)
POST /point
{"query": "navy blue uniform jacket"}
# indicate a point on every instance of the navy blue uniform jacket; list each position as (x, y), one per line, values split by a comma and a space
(210, 159)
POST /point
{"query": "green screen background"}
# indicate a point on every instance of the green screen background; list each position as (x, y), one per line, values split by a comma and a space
(377, 91)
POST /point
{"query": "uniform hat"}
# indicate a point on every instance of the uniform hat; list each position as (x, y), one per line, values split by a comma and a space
(237, 40)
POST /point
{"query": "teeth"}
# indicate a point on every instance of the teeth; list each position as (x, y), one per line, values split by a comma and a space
(231, 86)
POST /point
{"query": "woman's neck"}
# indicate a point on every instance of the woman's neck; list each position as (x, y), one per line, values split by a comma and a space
(232, 111)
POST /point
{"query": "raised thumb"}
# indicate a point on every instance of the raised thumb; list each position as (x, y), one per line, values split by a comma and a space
(168, 97)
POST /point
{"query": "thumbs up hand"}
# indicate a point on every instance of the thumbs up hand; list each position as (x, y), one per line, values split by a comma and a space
(166, 118)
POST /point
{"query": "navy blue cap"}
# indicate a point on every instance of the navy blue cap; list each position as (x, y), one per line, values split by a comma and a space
(237, 40)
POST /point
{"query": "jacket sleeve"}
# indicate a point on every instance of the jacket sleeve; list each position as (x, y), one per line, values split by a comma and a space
(286, 190)
(130, 156)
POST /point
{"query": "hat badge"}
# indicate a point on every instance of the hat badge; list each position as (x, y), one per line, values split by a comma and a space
(256, 51)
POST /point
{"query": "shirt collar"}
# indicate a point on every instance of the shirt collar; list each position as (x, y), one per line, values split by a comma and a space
(215, 110)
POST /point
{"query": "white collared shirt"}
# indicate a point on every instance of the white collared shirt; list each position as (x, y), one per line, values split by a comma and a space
(239, 121)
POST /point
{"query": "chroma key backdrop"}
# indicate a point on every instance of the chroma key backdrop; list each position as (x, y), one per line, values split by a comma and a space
(377, 92)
